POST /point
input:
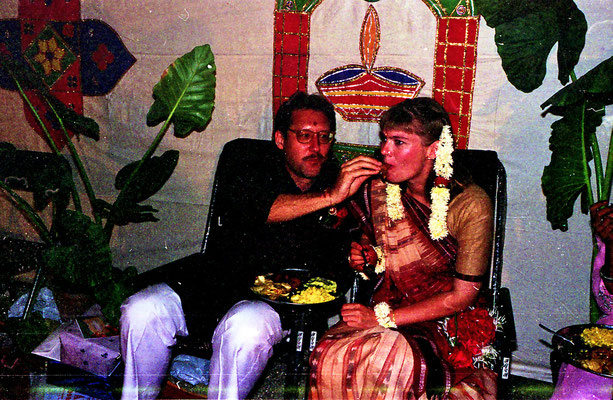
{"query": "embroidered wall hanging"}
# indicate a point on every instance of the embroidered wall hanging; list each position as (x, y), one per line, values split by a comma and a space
(76, 57)
(455, 62)
(455, 59)
(361, 92)
(292, 35)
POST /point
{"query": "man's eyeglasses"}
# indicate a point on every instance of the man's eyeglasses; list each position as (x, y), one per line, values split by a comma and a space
(305, 136)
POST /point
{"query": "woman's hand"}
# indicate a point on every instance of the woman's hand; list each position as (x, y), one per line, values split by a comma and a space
(358, 316)
(361, 254)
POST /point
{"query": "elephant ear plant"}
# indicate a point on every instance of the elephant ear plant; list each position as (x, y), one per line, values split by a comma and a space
(526, 32)
(77, 255)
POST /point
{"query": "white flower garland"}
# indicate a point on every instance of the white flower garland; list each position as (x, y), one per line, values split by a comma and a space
(393, 201)
(383, 313)
(443, 164)
(439, 195)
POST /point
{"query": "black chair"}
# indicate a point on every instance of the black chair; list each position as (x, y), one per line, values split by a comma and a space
(488, 172)
(484, 166)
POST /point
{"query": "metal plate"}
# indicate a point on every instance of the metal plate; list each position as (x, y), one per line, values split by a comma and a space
(572, 354)
(304, 275)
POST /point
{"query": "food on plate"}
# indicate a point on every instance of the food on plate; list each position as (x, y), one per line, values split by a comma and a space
(599, 355)
(265, 286)
(312, 295)
(597, 337)
(316, 290)
(288, 287)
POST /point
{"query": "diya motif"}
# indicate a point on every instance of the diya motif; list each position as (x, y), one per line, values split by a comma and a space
(362, 92)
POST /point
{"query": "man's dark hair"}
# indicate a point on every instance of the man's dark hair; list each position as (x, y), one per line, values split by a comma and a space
(422, 116)
(302, 101)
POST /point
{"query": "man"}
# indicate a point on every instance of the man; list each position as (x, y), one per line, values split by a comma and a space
(275, 202)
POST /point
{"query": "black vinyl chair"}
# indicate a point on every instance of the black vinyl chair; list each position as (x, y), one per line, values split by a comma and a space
(484, 166)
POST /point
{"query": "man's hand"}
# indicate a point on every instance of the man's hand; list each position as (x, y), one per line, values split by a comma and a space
(353, 174)
(601, 214)
(358, 316)
(361, 254)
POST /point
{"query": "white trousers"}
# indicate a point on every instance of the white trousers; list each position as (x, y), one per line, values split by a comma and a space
(150, 321)
(242, 344)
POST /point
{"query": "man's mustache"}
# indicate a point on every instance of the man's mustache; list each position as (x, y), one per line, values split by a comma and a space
(315, 156)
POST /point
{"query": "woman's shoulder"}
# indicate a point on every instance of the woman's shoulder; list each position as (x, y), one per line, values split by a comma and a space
(471, 194)
(472, 200)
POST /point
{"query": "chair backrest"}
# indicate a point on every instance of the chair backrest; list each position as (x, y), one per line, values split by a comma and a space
(488, 172)
(484, 166)
(236, 155)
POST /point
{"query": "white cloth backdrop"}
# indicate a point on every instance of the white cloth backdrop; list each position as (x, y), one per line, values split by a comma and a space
(547, 271)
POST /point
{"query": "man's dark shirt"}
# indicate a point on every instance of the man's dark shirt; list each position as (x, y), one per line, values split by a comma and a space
(250, 246)
(250, 175)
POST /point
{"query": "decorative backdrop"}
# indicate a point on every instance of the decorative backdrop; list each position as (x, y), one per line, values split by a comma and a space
(545, 270)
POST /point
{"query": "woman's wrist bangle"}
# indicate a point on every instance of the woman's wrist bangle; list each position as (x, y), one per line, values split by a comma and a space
(384, 315)
(605, 278)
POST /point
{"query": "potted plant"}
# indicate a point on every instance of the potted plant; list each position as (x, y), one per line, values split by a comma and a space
(77, 253)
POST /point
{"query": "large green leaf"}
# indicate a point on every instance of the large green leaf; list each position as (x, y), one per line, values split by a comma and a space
(126, 212)
(186, 93)
(568, 174)
(595, 85)
(150, 178)
(74, 121)
(47, 175)
(82, 256)
(523, 46)
(526, 32)
(571, 40)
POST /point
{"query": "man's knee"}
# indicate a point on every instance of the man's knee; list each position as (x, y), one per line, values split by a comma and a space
(154, 303)
(251, 322)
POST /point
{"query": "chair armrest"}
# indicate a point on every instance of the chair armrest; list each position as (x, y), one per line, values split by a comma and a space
(505, 341)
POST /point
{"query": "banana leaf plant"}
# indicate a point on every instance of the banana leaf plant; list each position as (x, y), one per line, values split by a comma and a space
(78, 255)
(525, 33)
(576, 167)
(527, 30)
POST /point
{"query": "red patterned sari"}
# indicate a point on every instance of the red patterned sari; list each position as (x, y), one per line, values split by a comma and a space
(379, 363)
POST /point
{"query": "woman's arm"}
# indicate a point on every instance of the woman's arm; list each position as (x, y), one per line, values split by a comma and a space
(602, 220)
(462, 295)
(470, 221)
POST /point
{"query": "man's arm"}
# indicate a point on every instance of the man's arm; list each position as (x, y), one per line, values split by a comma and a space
(352, 175)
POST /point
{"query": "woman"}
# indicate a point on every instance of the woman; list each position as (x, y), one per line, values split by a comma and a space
(433, 252)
